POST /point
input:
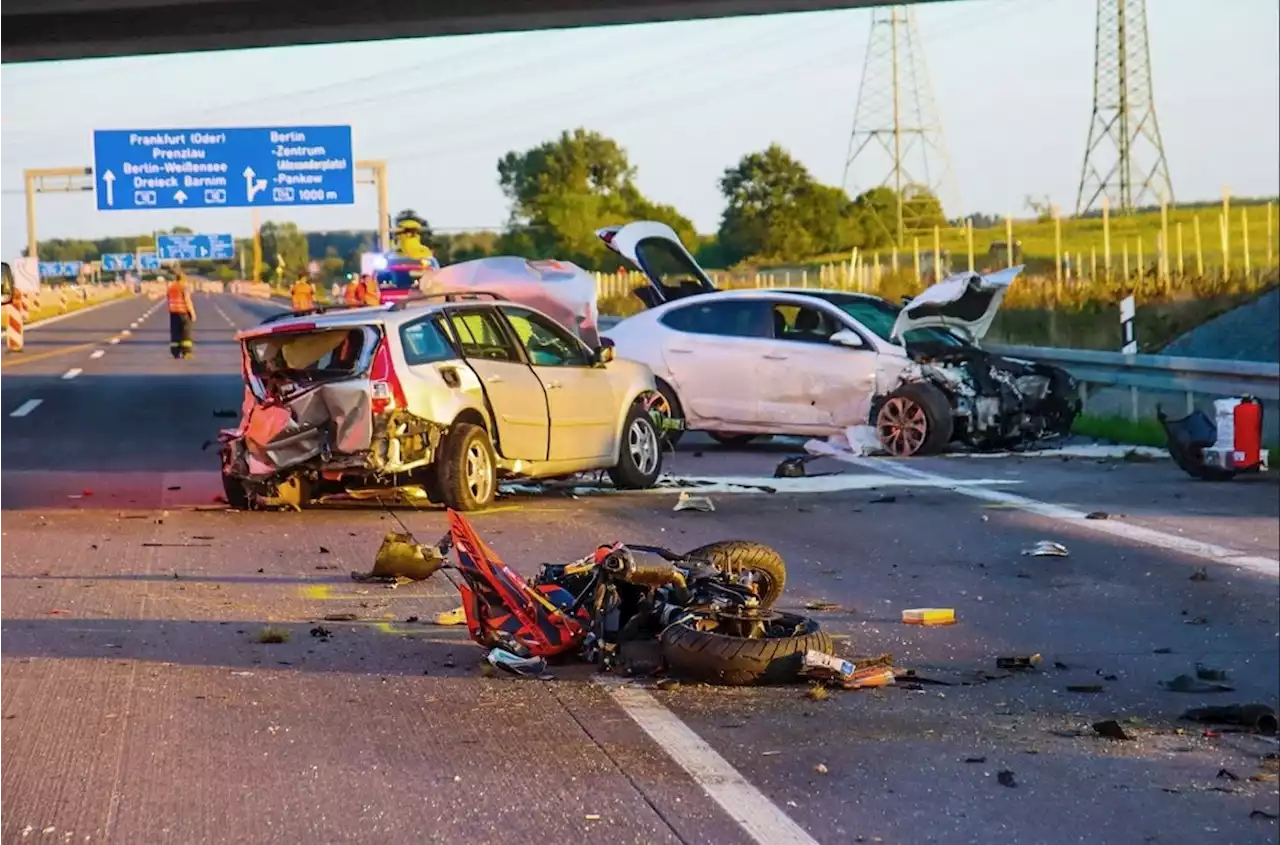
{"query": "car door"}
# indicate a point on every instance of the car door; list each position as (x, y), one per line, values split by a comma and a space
(583, 409)
(515, 395)
(812, 385)
(713, 348)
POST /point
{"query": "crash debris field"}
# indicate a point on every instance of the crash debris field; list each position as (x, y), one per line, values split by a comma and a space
(1077, 635)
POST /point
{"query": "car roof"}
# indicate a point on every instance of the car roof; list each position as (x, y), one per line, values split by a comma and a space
(341, 317)
(754, 293)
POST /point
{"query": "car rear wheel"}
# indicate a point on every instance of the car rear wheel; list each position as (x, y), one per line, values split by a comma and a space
(915, 420)
(467, 469)
(639, 454)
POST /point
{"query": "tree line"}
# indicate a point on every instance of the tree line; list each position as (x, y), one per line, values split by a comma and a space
(561, 191)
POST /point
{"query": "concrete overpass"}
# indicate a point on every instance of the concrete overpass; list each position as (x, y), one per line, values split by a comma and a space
(41, 30)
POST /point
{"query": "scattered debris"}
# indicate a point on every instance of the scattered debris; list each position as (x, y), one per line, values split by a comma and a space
(668, 684)
(457, 616)
(272, 634)
(1018, 662)
(400, 556)
(1196, 620)
(1097, 515)
(821, 769)
(1186, 683)
(847, 674)
(1227, 774)
(1257, 717)
(975, 759)
(929, 616)
(816, 692)
(822, 606)
(1046, 548)
(175, 545)
(1164, 650)
(1111, 729)
(1201, 574)
(1206, 673)
(1263, 814)
(694, 503)
(527, 667)
(792, 467)
(321, 632)
(341, 617)
(323, 550)
(1084, 688)
(1060, 666)
(1005, 778)
(885, 499)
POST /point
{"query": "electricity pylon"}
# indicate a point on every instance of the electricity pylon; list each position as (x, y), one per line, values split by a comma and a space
(897, 138)
(1124, 159)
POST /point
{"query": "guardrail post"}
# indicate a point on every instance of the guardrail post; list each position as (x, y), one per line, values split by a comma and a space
(1199, 247)
(1178, 235)
(1191, 403)
(1083, 389)
(1133, 404)
(968, 235)
(1244, 240)
(915, 249)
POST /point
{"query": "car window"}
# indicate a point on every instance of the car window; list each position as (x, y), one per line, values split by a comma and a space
(878, 317)
(728, 318)
(480, 336)
(802, 324)
(296, 359)
(547, 344)
(672, 269)
(425, 342)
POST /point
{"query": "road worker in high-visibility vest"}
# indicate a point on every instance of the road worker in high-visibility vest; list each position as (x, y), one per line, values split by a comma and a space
(370, 293)
(303, 294)
(182, 316)
(352, 295)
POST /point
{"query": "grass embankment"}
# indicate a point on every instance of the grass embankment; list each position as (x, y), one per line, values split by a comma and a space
(1144, 432)
(48, 305)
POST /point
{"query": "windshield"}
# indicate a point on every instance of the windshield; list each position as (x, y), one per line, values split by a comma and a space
(879, 316)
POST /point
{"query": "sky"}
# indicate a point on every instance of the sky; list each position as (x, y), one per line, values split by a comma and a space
(1012, 80)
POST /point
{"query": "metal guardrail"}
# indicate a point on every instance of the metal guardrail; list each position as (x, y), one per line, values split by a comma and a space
(1158, 373)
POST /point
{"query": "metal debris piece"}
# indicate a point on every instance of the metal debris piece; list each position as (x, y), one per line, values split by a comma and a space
(887, 499)
(341, 617)
(792, 467)
(1097, 515)
(1111, 729)
(1046, 548)
(457, 616)
(1018, 662)
(975, 759)
(321, 632)
(1186, 683)
(694, 503)
(1206, 673)
(1263, 814)
(1005, 778)
(1084, 688)
(668, 684)
(822, 605)
(821, 769)
(1201, 574)
(1258, 717)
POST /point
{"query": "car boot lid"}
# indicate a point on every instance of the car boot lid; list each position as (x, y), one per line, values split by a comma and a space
(630, 242)
(965, 301)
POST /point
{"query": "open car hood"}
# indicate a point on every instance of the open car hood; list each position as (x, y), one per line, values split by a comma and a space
(965, 301)
(655, 249)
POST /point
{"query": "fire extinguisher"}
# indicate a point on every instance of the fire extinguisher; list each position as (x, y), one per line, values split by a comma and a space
(1247, 445)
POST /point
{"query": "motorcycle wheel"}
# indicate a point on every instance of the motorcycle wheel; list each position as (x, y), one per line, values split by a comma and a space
(716, 658)
(747, 557)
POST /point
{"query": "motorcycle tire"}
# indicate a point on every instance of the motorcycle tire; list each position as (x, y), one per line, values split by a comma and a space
(736, 556)
(714, 658)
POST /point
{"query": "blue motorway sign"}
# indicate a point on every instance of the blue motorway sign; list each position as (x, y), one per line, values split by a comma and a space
(195, 247)
(118, 262)
(148, 261)
(223, 168)
(60, 269)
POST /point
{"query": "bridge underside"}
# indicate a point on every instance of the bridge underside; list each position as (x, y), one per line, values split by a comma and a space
(39, 30)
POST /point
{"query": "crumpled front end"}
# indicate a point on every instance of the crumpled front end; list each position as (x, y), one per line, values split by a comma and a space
(999, 402)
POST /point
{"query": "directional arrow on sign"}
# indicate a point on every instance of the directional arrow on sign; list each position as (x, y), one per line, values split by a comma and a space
(252, 186)
(180, 196)
(110, 179)
(204, 252)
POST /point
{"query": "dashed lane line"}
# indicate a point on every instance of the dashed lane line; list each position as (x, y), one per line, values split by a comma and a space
(71, 373)
(760, 818)
(18, 359)
(97, 353)
(27, 407)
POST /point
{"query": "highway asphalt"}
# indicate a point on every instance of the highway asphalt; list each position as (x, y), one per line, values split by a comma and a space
(139, 706)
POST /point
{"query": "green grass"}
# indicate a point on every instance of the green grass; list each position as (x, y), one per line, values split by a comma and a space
(273, 634)
(1144, 432)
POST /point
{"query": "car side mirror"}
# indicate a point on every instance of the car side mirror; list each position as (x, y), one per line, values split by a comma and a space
(847, 337)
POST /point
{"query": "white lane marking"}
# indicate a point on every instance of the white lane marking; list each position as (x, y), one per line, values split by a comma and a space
(815, 484)
(134, 324)
(27, 407)
(114, 341)
(759, 817)
(97, 353)
(1125, 530)
(126, 333)
(71, 373)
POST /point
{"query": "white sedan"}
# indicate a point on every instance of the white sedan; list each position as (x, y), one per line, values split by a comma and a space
(742, 363)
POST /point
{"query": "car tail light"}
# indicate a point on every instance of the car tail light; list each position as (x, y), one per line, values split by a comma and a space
(387, 392)
(293, 327)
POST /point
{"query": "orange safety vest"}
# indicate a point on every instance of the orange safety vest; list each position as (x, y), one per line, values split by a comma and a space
(352, 295)
(303, 295)
(372, 295)
(178, 298)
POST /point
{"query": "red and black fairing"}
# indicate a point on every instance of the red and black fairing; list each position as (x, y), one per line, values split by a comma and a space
(501, 606)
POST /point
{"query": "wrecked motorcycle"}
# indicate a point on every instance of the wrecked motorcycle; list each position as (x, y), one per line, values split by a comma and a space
(708, 611)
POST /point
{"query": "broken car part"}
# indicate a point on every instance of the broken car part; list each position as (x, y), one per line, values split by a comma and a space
(1257, 717)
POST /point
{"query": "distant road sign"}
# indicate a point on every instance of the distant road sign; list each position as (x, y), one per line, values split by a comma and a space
(148, 261)
(118, 262)
(196, 247)
(60, 269)
(223, 168)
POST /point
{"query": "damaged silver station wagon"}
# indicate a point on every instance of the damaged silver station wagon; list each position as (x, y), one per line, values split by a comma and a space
(443, 394)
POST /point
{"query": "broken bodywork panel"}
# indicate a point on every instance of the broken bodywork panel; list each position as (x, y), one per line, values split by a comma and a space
(308, 417)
